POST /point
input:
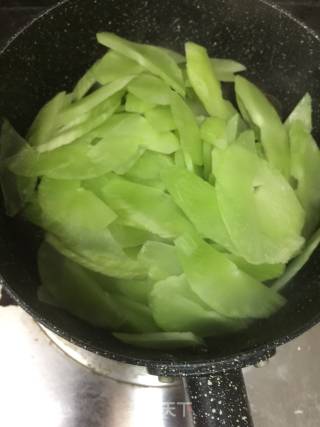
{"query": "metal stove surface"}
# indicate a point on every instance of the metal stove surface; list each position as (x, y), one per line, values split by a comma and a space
(41, 385)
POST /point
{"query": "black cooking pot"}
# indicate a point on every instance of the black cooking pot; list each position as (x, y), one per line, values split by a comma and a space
(282, 56)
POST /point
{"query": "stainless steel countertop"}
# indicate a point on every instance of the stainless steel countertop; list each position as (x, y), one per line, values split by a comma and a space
(41, 386)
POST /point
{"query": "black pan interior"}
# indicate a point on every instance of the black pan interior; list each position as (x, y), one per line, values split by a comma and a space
(282, 56)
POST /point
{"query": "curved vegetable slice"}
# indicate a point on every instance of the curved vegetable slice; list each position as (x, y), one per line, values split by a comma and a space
(45, 123)
(256, 107)
(305, 168)
(302, 113)
(174, 308)
(161, 340)
(188, 129)
(150, 89)
(137, 105)
(259, 208)
(261, 272)
(141, 206)
(205, 83)
(76, 290)
(225, 69)
(221, 285)
(154, 59)
(298, 263)
(161, 260)
(198, 201)
(129, 237)
(135, 290)
(161, 119)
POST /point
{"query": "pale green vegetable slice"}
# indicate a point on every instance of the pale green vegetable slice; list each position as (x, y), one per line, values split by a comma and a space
(136, 290)
(207, 163)
(16, 190)
(302, 113)
(261, 272)
(76, 290)
(137, 105)
(273, 134)
(214, 132)
(129, 237)
(150, 89)
(298, 263)
(259, 208)
(220, 283)
(161, 340)
(188, 130)
(161, 260)
(175, 308)
(141, 206)
(198, 201)
(95, 98)
(113, 66)
(45, 123)
(305, 168)
(84, 84)
(205, 83)
(137, 316)
(161, 119)
(225, 69)
(156, 60)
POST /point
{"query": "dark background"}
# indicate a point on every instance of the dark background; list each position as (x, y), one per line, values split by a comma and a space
(14, 14)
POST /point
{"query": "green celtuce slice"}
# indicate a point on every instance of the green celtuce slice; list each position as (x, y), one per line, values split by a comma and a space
(256, 108)
(207, 160)
(16, 190)
(129, 237)
(205, 83)
(137, 316)
(220, 283)
(188, 130)
(225, 69)
(214, 132)
(113, 66)
(161, 260)
(150, 89)
(147, 170)
(175, 308)
(259, 208)
(161, 340)
(137, 105)
(161, 119)
(135, 290)
(299, 262)
(302, 113)
(79, 219)
(305, 169)
(153, 59)
(76, 290)
(44, 125)
(198, 200)
(141, 206)
(84, 84)
(261, 272)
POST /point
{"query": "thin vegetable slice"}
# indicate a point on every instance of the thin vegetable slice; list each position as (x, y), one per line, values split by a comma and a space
(137, 105)
(302, 113)
(156, 60)
(150, 89)
(161, 119)
(161, 340)
(225, 69)
(221, 285)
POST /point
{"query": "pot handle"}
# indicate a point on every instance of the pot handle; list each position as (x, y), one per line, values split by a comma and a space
(219, 399)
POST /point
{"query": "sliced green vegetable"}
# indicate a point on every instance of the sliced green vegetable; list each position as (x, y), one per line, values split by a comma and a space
(298, 263)
(198, 201)
(256, 107)
(150, 89)
(260, 272)
(84, 84)
(302, 113)
(188, 130)
(161, 340)
(128, 237)
(161, 119)
(205, 83)
(156, 60)
(136, 290)
(137, 105)
(76, 290)
(175, 308)
(141, 206)
(161, 260)
(221, 285)
(225, 69)
(214, 132)
(259, 208)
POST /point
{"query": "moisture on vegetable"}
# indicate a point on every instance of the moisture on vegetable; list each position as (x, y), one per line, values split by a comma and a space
(169, 214)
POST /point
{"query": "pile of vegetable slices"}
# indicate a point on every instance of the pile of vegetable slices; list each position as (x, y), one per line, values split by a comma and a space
(170, 215)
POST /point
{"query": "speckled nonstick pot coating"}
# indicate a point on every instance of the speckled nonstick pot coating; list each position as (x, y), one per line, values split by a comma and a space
(282, 56)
